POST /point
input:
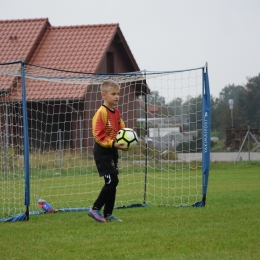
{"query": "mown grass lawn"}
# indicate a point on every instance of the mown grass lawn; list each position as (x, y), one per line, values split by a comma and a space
(227, 228)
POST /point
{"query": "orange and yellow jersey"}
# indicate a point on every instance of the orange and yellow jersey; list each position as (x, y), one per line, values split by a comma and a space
(105, 125)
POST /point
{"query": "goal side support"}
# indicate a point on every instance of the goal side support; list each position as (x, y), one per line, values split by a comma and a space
(206, 126)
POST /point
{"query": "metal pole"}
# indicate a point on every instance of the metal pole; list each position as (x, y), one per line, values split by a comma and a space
(80, 125)
(160, 147)
(146, 141)
(26, 143)
(5, 154)
(248, 143)
(6, 125)
(241, 147)
(6, 141)
(255, 139)
(60, 148)
(159, 141)
(80, 133)
(231, 105)
(232, 117)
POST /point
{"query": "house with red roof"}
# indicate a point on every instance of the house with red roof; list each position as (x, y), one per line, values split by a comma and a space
(98, 49)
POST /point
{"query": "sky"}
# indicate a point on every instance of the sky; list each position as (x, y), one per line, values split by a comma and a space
(167, 34)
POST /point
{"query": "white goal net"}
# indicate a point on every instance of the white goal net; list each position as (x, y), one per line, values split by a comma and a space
(164, 108)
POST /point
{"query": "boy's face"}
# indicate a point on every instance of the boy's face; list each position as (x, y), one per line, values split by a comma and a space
(111, 97)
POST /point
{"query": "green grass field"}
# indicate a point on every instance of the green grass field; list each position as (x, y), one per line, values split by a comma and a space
(227, 228)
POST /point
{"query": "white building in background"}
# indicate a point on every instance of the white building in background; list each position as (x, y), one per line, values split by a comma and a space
(160, 132)
(167, 133)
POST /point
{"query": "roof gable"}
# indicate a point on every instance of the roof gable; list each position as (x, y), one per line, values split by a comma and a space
(77, 48)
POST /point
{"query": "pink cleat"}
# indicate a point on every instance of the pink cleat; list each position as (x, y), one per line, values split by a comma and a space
(96, 214)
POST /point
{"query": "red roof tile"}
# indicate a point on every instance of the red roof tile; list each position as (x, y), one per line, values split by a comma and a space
(74, 48)
(77, 48)
(17, 38)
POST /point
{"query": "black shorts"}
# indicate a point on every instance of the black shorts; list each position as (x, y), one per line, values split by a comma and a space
(106, 159)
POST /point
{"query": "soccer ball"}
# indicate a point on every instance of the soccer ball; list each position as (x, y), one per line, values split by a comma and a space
(127, 136)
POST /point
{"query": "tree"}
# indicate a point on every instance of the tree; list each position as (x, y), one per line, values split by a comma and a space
(220, 110)
(192, 108)
(155, 99)
(176, 106)
(253, 101)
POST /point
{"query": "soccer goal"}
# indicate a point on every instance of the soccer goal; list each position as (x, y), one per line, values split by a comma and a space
(46, 139)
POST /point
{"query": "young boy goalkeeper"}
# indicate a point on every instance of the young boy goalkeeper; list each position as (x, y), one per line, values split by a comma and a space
(105, 124)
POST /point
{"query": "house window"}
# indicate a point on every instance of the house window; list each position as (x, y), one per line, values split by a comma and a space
(110, 62)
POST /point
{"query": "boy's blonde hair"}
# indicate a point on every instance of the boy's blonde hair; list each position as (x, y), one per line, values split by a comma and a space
(108, 84)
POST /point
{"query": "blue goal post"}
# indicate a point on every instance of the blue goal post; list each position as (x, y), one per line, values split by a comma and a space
(206, 128)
